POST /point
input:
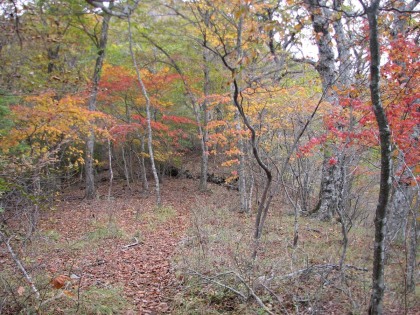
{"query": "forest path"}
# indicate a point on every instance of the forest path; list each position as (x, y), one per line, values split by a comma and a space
(94, 236)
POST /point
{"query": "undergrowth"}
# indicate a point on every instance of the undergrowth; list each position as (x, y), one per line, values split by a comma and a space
(215, 262)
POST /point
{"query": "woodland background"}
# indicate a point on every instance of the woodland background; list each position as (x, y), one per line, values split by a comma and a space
(209, 157)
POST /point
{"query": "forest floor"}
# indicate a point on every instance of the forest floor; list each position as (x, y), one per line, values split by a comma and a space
(109, 249)
(190, 256)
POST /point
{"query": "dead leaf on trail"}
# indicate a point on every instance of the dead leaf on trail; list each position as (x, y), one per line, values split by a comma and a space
(69, 293)
(20, 291)
(59, 281)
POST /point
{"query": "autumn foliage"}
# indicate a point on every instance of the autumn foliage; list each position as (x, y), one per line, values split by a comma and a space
(45, 128)
(353, 123)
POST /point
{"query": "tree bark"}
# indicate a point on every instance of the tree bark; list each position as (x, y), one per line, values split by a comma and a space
(332, 181)
(145, 183)
(111, 173)
(90, 143)
(412, 249)
(243, 198)
(377, 295)
(148, 116)
(204, 110)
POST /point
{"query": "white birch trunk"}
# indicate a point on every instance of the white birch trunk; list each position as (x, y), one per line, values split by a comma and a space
(148, 117)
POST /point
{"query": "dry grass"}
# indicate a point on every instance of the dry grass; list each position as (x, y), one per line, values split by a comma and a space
(213, 271)
(220, 275)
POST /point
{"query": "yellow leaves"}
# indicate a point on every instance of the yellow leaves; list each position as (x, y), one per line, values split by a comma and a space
(43, 125)
(232, 178)
(233, 151)
(297, 27)
(69, 293)
(216, 124)
(242, 10)
(231, 162)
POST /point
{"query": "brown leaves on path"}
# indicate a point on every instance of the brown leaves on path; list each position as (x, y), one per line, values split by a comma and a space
(98, 232)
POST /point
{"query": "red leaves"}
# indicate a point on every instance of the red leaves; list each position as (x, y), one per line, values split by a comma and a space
(178, 119)
(313, 142)
(353, 122)
(117, 79)
(332, 161)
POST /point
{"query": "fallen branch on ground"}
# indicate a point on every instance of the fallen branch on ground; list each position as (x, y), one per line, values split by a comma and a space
(19, 264)
(210, 279)
(255, 296)
(132, 244)
(242, 295)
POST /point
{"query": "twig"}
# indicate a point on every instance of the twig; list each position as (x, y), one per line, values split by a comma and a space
(20, 266)
(132, 244)
(280, 300)
(218, 283)
(357, 268)
(55, 297)
(318, 267)
(255, 296)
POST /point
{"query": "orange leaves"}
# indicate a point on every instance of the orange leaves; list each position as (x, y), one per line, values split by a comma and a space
(44, 126)
(231, 162)
(119, 84)
(216, 124)
(62, 282)
(59, 281)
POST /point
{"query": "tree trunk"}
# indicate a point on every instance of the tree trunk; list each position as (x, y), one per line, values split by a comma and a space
(111, 173)
(328, 194)
(326, 68)
(242, 183)
(145, 183)
(243, 196)
(90, 143)
(412, 249)
(201, 123)
(400, 206)
(126, 173)
(34, 211)
(378, 285)
(331, 177)
(204, 110)
(89, 170)
(148, 116)
(52, 53)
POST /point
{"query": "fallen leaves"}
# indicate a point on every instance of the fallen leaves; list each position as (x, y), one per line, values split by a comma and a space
(59, 281)
(20, 291)
(143, 267)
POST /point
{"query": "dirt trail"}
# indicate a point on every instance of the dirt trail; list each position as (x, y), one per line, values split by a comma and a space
(97, 249)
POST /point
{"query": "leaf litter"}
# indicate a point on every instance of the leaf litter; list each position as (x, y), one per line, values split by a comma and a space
(92, 248)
